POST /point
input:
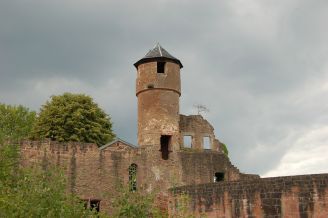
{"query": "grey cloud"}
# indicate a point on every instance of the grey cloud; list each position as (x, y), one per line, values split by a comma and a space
(247, 68)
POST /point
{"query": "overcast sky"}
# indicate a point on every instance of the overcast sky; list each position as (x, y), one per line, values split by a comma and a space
(260, 66)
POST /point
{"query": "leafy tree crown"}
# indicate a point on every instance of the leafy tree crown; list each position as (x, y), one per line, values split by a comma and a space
(15, 122)
(73, 117)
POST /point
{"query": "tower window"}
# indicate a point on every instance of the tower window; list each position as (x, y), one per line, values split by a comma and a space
(165, 142)
(206, 142)
(187, 141)
(160, 67)
(133, 177)
(218, 177)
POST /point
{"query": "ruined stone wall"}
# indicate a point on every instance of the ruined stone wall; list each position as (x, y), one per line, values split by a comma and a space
(200, 167)
(91, 173)
(291, 196)
(197, 127)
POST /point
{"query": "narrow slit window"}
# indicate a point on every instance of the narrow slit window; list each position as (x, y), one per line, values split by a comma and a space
(207, 142)
(160, 67)
(187, 141)
(165, 142)
(218, 177)
(133, 177)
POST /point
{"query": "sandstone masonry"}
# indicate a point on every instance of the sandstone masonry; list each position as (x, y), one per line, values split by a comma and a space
(180, 151)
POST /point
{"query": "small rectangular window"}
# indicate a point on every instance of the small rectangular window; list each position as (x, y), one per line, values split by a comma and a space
(187, 141)
(160, 67)
(92, 204)
(206, 142)
(218, 177)
(95, 205)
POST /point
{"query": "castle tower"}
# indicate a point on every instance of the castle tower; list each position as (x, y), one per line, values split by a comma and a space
(158, 89)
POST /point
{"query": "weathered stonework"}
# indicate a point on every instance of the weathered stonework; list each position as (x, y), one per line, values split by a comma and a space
(197, 127)
(158, 104)
(290, 196)
(162, 161)
(93, 172)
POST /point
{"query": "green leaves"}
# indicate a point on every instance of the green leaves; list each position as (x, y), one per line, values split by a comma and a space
(224, 149)
(15, 122)
(34, 192)
(73, 117)
(128, 204)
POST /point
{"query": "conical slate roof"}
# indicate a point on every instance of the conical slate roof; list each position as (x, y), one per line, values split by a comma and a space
(156, 54)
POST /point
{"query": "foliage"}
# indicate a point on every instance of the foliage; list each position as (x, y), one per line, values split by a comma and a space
(73, 117)
(138, 204)
(225, 149)
(33, 192)
(30, 191)
(15, 122)
(181, 206)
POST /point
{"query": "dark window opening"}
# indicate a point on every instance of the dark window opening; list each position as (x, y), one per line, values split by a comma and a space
(150, 86)
(133, 177)
(95, 205)
(92, 204)
(160, 67)
(165, 142)
(219, 177)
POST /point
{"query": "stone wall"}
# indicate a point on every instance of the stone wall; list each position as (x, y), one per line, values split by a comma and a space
(200, 167)
(197, 127)
(291, 196)
(92, 172)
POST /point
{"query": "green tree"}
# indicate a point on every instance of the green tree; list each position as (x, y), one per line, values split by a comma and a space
(73, 117)
(30, 191)
(135, 204)
(35, 192)
(15, 122)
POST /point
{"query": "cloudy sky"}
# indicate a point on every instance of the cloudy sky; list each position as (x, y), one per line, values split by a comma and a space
(260, 66)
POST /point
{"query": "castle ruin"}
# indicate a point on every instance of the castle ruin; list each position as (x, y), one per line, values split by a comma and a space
(177, 154)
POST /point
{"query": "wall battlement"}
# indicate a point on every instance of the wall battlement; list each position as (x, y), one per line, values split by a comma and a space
(57, 146)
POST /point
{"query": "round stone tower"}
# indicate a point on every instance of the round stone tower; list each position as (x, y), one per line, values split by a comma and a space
(158, 89)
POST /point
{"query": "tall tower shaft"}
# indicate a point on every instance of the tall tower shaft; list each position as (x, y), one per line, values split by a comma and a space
(158, 89)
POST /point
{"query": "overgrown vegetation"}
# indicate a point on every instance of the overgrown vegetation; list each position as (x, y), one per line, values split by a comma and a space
(73, 117)
(135, 204)
(40, 190)
(30, 191)
(224, 149)
(181, 205)
(34, 192)
(15, 122)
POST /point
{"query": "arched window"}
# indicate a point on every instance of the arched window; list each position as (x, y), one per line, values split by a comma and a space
(133, 177)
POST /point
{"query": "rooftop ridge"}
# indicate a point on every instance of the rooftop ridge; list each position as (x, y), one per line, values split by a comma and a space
(156, 53)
